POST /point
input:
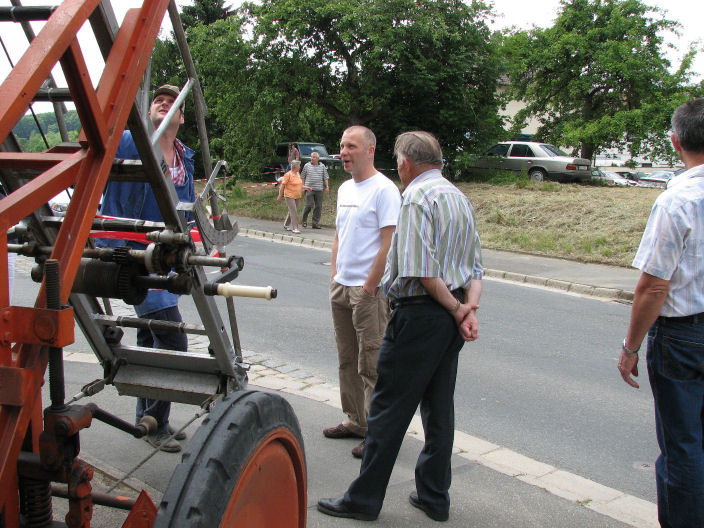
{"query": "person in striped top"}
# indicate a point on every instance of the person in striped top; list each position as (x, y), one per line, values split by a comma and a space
(433, 282)
(315, 180)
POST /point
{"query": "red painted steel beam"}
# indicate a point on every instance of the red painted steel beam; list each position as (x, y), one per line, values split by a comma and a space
(28, 198)
(36, 64)
(93, 131)
(105, 118)
(31, 160)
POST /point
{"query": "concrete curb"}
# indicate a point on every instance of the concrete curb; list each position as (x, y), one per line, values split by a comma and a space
(543, 282)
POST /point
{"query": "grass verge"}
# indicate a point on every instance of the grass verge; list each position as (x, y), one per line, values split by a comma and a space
(588, 223)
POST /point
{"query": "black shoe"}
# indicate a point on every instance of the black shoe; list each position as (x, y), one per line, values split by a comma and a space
(434, 515)
(316, 226)
(304, 223)
(337, 508)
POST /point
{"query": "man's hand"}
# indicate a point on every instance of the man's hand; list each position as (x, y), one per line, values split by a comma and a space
(627, 365)
(466, 319)
(278, 198)
(327, 190)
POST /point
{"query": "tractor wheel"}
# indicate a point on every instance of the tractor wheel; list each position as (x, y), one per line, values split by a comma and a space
(245, 466)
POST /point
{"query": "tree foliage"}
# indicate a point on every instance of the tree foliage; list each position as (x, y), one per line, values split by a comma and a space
(204, 12)
(392, 65)
(305, 70)
(599, 78)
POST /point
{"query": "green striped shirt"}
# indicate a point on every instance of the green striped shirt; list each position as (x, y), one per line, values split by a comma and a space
(435, 237)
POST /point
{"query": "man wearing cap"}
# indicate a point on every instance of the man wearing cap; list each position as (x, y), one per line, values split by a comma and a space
(136, 200)
(669, 307)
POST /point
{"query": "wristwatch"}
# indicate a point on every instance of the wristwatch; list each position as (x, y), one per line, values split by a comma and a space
(626, 350)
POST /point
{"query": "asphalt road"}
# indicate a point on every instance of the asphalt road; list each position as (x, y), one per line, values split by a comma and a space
(541, 380)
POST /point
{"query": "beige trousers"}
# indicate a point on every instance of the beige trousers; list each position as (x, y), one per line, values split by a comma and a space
(360, 322)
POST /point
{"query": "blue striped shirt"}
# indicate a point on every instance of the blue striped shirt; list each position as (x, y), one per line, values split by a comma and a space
(672, 247)
(435, 237)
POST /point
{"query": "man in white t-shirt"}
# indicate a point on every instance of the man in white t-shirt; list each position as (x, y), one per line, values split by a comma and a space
(368, 205)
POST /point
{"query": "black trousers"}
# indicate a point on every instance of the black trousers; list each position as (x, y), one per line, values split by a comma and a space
(417, 365)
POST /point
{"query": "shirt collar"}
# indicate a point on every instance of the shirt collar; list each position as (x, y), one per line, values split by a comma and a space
(423, 177)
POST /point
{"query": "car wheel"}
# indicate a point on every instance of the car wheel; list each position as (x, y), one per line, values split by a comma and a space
(538, 175)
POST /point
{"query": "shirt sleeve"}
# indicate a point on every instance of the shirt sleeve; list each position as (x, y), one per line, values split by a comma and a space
(388, 206)
(661, 247)
(417, 251)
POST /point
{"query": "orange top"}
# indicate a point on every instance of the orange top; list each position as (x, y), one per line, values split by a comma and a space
(292, 184)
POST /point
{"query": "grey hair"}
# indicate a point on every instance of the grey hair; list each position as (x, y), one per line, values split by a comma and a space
(688, 125)
(420, 147)
(295, 163)
(315, 153)
(369, 136)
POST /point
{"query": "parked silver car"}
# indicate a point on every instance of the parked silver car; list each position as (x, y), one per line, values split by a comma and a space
(657, 179)
(541, 161)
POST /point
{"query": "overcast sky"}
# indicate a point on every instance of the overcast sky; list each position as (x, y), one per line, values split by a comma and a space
(519, 13)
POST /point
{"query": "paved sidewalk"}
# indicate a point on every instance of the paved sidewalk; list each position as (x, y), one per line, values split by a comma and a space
(585, 279)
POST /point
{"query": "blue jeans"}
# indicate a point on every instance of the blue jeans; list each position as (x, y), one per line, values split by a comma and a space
(676, 370)
(160, 410)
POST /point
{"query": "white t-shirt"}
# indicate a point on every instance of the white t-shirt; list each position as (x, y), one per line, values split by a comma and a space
(362, 210)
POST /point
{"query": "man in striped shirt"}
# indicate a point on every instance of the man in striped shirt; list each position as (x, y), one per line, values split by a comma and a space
(315, 179)
(433, 282)
(669, 307)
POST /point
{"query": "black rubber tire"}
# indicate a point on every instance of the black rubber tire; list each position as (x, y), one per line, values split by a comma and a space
(200, 487)
(538, 175)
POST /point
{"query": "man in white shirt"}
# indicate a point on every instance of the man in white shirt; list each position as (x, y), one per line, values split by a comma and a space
(367, 210)
(669, 307)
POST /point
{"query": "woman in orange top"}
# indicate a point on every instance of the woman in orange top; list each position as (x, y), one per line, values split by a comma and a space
(291, 187)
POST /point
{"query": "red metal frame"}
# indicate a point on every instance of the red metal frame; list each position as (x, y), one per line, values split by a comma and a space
(103, 114)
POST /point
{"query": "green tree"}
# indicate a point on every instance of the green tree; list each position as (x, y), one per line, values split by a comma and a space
(598, 78)
(390, 64)
(204, 12)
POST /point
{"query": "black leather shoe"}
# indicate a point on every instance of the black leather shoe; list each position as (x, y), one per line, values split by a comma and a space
(304, 223)
(337, 508)
(316, 226)
(434, 515)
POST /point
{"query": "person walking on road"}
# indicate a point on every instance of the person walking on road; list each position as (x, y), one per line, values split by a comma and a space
(291, 188)
(367, 210)
(433, 282)
(669, 307)
(315, 180)
(136, 200)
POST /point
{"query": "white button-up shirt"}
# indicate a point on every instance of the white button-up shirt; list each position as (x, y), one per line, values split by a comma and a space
(672, 247)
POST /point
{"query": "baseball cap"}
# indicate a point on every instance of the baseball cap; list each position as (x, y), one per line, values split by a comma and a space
(168, 89)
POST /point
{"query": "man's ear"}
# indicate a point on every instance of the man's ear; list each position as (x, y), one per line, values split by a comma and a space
(675, 143)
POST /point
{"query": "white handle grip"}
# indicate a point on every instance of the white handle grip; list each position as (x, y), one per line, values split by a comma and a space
(261, 292)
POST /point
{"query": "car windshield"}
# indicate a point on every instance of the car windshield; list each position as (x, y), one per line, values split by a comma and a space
(552, 150)
(307, 150)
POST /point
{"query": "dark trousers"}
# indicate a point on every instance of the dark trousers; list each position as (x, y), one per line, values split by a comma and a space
(313, 199)
(417, 365)
(676, 371)
(160, 410)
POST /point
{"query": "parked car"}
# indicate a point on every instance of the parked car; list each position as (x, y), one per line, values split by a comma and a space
(611, 178)
(59, 203)
(656, 179)
(305, 149)
(541, 161)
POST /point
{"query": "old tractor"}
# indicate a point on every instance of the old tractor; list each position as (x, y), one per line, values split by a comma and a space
(245, 464)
